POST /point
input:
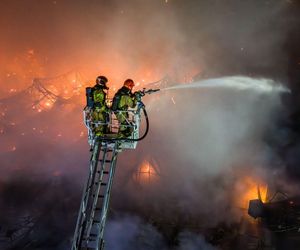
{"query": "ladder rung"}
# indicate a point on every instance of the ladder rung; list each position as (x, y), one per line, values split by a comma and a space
(99, 196)
(102, 183)
(91, 235)
(104, 172)
(91, 244)
(107, 151)
(106, 161)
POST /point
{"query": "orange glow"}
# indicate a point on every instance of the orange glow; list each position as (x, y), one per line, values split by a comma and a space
(249, 188)
(147, 173)
(19, 69)
(46, 104)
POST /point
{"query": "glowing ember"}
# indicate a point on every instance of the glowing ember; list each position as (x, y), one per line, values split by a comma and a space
(30, 52)
(46, 104)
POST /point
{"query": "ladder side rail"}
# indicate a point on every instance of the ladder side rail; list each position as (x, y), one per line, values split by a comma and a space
(84, 200)
(93, 169)
(87, 123)
(95, 194)
(89, 194)
(107, 196)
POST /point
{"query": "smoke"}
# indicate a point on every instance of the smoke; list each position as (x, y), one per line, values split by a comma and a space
(131, 233)
(190, 241)
(204, 140)
(215, 127)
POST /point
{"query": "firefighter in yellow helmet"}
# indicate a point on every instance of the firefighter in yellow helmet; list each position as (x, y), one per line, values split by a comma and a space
(124, 99)
(100, 109)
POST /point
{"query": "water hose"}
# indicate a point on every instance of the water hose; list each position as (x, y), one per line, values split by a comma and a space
(128, 139)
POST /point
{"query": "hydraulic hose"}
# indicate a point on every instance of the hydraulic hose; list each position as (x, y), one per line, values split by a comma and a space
(128, 139)
(147, 126)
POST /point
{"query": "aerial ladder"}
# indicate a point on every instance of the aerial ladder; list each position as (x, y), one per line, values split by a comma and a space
(89, 232)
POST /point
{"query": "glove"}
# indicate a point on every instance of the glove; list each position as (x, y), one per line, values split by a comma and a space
(138, 95)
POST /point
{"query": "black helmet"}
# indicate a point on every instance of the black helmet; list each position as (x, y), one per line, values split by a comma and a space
(102, 80)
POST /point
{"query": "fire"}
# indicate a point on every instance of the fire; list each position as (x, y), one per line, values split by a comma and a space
(147, 173)
(45, 105)
(250, 188)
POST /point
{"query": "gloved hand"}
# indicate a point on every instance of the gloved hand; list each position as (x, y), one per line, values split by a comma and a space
(138, 95)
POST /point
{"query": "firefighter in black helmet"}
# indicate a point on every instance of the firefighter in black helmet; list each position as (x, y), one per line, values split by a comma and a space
(100, 109)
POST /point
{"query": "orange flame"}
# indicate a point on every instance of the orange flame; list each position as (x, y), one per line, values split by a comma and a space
(249, 188)
(147, 173)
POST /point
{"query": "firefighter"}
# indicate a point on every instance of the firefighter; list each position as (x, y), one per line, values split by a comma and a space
(124, 99)
(100, 109)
